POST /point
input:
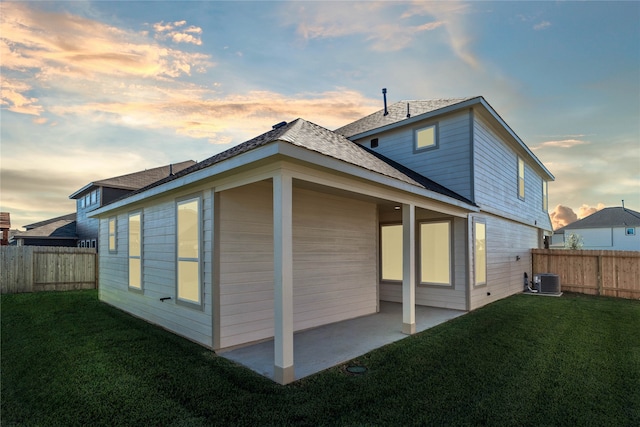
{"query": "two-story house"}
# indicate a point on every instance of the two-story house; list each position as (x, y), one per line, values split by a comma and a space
(433, 203)
(104, 191)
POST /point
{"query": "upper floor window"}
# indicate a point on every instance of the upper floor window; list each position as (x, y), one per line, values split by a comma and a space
(188, 242)
(545, 196)
(426, 137)
(520, 178)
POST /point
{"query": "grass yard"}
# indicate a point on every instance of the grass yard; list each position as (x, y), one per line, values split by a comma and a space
(68, 359)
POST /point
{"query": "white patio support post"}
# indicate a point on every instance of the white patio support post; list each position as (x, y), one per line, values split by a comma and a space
(408, 269)
(283, 278)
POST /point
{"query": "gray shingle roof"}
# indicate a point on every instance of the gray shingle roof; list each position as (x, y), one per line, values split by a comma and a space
(397, 113)
(316, 138)
(68, 217)
(62, 228)
(606, 218)
(135, 180)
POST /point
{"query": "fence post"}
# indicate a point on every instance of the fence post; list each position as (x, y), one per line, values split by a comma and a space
(600, 268)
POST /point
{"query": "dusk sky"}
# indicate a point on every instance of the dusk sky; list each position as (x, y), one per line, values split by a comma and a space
(95, 89)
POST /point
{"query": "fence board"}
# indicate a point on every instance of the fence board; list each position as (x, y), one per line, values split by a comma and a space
(611, 273)
(44, 268)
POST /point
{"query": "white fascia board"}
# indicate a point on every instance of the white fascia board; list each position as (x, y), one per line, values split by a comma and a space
(316, 158)
(86, 187)
(215, 169)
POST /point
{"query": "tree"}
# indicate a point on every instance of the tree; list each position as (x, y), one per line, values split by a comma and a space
(574, 241)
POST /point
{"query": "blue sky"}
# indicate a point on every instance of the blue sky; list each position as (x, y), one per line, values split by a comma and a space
(92, 90)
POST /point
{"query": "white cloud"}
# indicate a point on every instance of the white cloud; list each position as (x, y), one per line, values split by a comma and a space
(562, 143)
(61, 47)
(168, 31)
(194, 113)
(13, 98)
(542, 25)
(376, 22)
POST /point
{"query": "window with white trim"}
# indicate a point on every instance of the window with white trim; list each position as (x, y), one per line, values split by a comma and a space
(188, 251)
(426, 137)
(112, 234)
(480, 253)
(435, 253)
(520, 178)
(135, 250)
(391, 252)
(545, 196)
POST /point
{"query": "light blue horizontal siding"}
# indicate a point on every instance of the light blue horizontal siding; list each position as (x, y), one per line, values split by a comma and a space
(506, 240)
(158, 268)
(496, 177)
(448, 165)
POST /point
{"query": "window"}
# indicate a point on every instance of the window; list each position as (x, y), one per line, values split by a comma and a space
(480, 253)
(545, 196)
(81, 202)
(426, 137)
(391, 252)
(135, 250)
(188, 235)
(435, 253)
(520, 178)
(630, 231)
(112, 234)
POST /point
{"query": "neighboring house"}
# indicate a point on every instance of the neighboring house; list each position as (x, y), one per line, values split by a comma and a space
(59, 231)
(105, 191)
(5, 226)
(614, 228)
(436, 203)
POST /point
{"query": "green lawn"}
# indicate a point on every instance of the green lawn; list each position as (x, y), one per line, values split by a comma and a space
(68, 359)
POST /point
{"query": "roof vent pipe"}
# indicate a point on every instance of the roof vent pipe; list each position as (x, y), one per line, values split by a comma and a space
(170, 169)
(408, 113)
(384, 95)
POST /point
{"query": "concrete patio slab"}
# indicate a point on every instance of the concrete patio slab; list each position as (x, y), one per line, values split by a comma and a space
(330, 345)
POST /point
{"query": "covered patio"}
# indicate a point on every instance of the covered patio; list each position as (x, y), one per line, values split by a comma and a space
(329, 345)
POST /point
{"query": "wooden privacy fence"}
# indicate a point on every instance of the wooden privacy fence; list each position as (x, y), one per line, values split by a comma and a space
(47, 268)
(610, 273)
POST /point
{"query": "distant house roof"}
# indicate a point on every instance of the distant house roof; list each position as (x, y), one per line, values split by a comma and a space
(606, 218)
(59, 229)
(397, 112)
(5, 220)
(135, 180)
(316, 138)
(67, 217)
